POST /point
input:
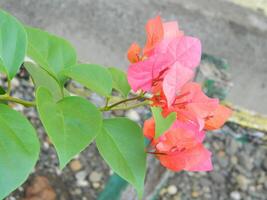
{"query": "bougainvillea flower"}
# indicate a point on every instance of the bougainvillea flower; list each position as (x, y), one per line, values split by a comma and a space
(156, 31)
(165, 68)
(191, 104)
(179, 56)
(143, 75)
(176, 58)
(180, 147)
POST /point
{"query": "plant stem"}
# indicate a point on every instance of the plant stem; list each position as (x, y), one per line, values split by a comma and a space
(107, 108)
(16, 100)
(132, 106)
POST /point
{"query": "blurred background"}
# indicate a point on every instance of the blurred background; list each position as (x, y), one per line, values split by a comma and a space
(234, 31)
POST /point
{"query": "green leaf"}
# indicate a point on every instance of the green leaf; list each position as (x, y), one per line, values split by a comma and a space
(42, 78)
(51, 52)
(119, 81)
(121, 144)
(72, 123)
(13, 43)
(19, 149)
(94, 77)
(162, 124)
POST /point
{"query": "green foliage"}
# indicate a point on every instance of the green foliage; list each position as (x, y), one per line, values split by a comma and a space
(72, 123)
(119, 81)
(42, 78)
(121, 144)
(94, 77)
(19, 149)
(13, 42)
(162, 124)
(52, 53)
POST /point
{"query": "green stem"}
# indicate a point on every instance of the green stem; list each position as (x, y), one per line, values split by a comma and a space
(16, 100)
(132, 106)
(107, 108)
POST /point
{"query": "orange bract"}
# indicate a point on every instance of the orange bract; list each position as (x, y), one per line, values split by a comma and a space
(154, 31)
(134, 53)
(220, 116)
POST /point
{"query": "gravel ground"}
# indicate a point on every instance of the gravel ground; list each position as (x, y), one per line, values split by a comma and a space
(240, 164)
(239, 171)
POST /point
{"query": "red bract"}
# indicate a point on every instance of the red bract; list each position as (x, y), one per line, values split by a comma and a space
(193, 105)
(180, 147)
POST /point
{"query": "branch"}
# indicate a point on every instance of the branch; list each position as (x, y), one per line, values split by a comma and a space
(107, 108)
(17, 100)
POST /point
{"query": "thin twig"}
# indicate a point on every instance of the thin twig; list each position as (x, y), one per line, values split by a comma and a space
(17, 100)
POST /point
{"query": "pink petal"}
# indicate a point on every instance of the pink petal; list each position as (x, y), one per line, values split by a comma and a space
(195, 159)
(186, 50)
(175, 78)
(172, 162)
(198, 159)
(141, 74)
(149, 128)
(201, 105)
(171, 30)
(182, 135)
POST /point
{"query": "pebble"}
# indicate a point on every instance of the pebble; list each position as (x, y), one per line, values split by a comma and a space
(96, 185)
(80, 176)
(234, 160)
(172, 190)
(95, 176)
(195, 194)
(40, 187)
(242, 182)
(75, 165)
(82, 183)
(46, 145)
(217, 177)
(133, 115)
(235, 195)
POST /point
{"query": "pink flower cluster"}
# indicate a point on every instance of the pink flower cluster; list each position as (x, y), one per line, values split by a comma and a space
(165, 68)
